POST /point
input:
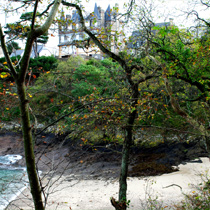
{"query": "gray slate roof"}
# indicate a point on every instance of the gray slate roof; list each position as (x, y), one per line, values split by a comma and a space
(20, 52)
(75, 17)
(138, 38)
(17, 52)
(96, 12)
(108, 14)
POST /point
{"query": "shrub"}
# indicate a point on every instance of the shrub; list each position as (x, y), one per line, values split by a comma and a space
(44, 63)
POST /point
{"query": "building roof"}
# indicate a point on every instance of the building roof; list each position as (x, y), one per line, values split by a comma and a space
(162, 24)
(16, 53)
(96, 13)
(138, 36)
(108, 14)
(33, 55)
(75, 17)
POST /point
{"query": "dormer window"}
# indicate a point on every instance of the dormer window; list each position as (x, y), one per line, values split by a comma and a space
(91, 23)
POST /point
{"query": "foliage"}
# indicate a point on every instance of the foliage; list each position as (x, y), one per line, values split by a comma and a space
(113, 99)
(187, 74)
(9, 102)
(12, 46)
(68, 82)
(21, 29)
(36, 66)
(88, 79)
(199, 198)
(14, 58)
(43, 64)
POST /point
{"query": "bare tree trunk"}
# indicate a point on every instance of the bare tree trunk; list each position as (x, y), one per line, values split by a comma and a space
(128, 141)
(124, 168)
(122, 204)
(19, 77)
(28, 147)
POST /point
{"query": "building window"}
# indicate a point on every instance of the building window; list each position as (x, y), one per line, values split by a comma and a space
(91, 23)
(62, 38)
(87, 23)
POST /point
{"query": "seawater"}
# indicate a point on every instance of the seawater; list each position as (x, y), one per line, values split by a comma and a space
(13, 180)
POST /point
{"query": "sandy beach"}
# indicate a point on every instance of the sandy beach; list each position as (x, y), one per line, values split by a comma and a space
(71, 192)
(77, 178)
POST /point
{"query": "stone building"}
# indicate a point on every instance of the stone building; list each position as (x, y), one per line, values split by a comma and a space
(138, 39)
(104, 24)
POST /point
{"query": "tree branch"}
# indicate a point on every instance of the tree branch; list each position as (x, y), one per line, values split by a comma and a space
(176, 107)
(32, 35)
(43, 29)
(196, 14)
(20, 7)
(147, 78)
(200, 86)
(34, 14)
(45, 11)
(206, 4)
(68, 114)
(94, 38)
(6, 54)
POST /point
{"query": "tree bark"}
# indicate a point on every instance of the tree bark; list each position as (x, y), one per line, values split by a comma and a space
(19, 78)
(28, 147)
(124, 168)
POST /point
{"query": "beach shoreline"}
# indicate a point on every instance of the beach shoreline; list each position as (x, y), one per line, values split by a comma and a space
(71, 192)
(88, 178)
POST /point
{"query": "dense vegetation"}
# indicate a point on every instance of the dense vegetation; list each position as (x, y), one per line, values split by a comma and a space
(98, 89)
(161, 88)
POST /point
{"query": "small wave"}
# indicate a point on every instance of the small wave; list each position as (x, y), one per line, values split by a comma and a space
(9, 159)
(14, 189)
(11, 168)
